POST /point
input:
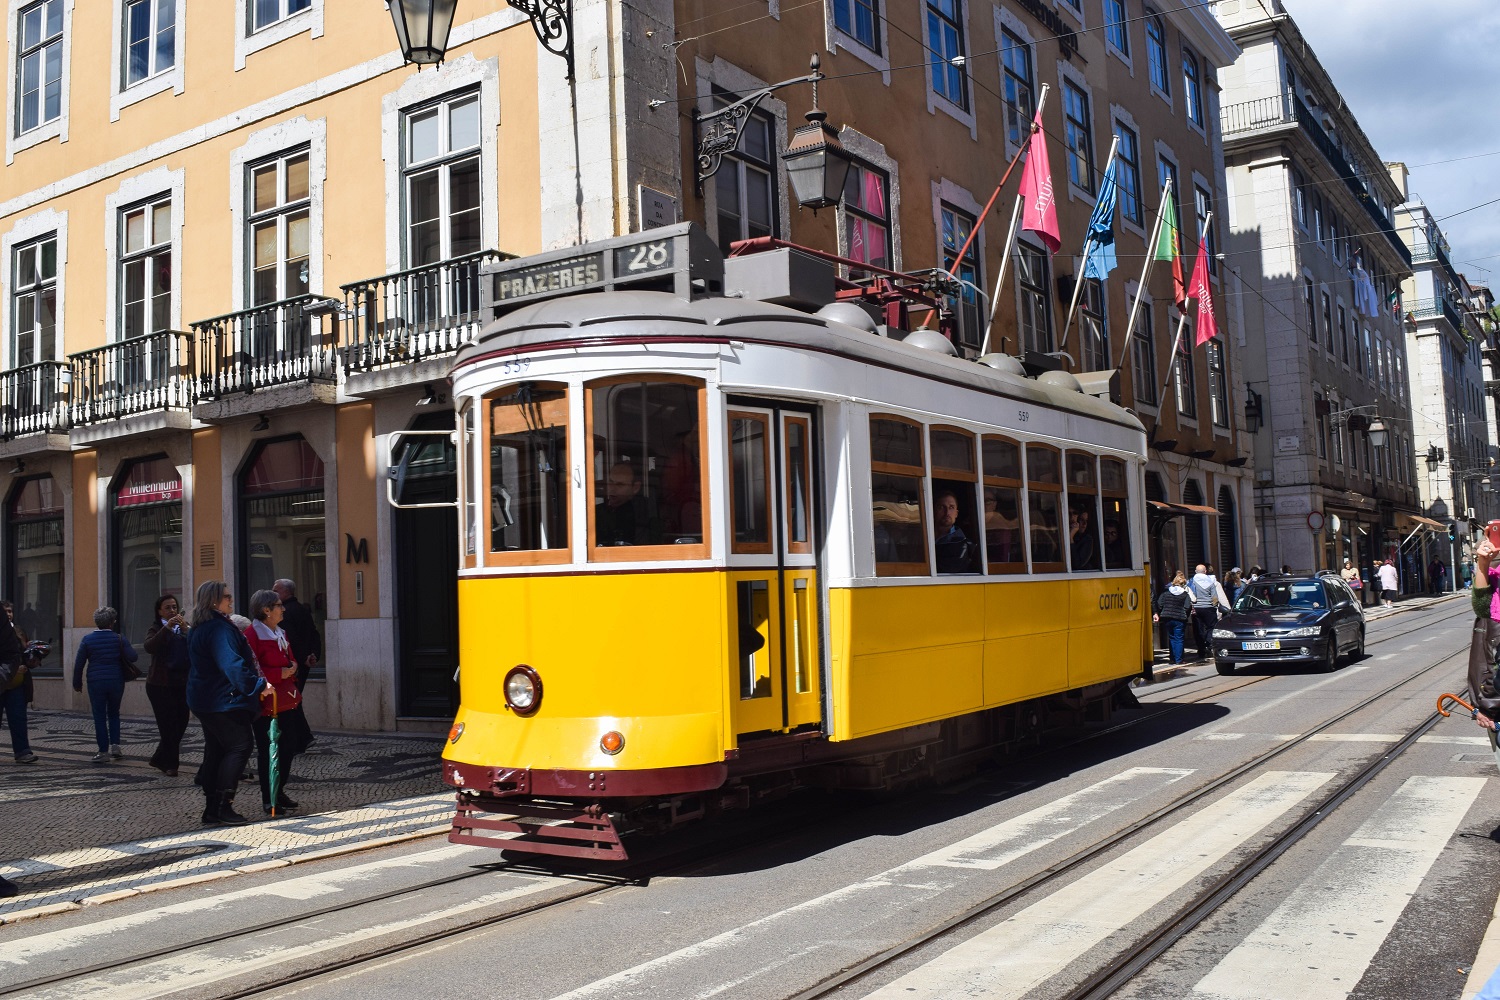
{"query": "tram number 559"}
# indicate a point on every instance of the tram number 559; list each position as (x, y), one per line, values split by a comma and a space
(511, 367)
(643, 258)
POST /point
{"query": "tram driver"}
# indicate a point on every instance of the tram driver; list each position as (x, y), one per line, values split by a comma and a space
(624, 518)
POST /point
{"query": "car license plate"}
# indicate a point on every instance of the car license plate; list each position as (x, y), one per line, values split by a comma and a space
(1267, 644)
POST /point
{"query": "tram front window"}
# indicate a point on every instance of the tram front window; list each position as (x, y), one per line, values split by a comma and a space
(897, 470)
(646, 464)
(529, 468)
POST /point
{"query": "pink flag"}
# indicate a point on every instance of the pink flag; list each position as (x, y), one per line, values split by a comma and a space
(1199, 289)
(1039, 209)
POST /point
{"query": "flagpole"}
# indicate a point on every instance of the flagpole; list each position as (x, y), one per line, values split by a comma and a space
(1010, 236)
(1181, 324)
(1140, 288)
(1088, 241)
(974, 231)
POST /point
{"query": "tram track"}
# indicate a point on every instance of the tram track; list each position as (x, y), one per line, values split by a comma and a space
(1123, 967)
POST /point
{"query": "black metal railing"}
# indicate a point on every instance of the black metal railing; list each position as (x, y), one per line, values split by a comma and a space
(34, 400)
(1252, 116)
(422, 312)
(139, 375)
(274, 344)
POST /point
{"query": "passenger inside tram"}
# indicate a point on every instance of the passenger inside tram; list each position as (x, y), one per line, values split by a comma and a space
(624, 518)
(955, 553)
(1083, 544)
(1116, 546)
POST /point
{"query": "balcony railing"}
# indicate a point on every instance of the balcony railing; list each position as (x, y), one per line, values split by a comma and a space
(423, 312)
(1253, 116)
(1431, 308)
(139, 375)
(34, 400)
(275, 344)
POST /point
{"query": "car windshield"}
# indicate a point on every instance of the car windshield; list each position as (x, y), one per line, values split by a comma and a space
(1300, 594)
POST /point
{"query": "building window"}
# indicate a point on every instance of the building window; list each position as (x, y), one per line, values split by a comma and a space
(39, 56)
(867, 216)
(150, 38)
(1368, 358)
(1079, 135)
(1192, 87)
(1036, 299)
(956, 229)
(442, 181)
(1183, 378)
(1218, 384)
(945, 35)
(279, 228)
(1020, 89)
(146, 268)
(1143, 348)
(857, 19)
(1299, 199)
(1166, 176)
(1093, 328)
(1128, 175)
(1343, 333)
(1203, 203)
(1312, 309)
(147, 542)
(745, 186)
(1114, 26)
(1321, 409)
(282, 525)
(1156, 53)
(34, 302)
(37, 560)
(267, 12)
(1328, 316)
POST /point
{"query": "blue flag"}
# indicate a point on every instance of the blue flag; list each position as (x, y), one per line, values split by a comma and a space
(1100, 239)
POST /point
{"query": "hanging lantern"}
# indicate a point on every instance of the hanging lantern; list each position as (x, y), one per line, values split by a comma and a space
(1377, 432)
(422, 28)
(816, 163)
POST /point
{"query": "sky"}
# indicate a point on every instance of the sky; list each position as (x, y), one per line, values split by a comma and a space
(1420, 79)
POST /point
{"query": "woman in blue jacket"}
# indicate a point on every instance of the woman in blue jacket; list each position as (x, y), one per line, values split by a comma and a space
(224, 691)
(106, 653)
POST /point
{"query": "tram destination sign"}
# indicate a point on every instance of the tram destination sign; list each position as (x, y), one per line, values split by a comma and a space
(679, 259)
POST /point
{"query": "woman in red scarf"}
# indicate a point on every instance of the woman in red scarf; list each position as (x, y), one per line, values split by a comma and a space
(273, 655)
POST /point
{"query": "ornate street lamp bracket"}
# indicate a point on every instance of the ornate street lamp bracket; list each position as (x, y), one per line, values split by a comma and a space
(552, 20)
(718, 132)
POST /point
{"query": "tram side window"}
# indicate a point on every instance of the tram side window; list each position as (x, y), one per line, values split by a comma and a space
(1004, 540)
(954, 525)
(896, 473)
(646, 459)
(1114, 497)
(1043, 504)
(528, 480)
(750, 481)
(1083, 512)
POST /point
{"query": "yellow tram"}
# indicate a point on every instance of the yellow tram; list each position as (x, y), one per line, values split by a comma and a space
(725, 534)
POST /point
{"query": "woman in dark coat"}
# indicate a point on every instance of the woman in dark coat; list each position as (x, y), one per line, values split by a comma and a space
(166, 681)
(224, 691)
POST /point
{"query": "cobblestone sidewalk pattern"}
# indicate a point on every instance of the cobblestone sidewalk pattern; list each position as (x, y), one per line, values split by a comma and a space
(77, 830)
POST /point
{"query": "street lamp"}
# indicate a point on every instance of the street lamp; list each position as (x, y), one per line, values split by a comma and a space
(1377, 432)
(422, 28)
(1254, 415)
(1434, 457)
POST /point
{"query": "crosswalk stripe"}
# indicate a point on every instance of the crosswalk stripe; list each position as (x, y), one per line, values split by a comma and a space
(1322, 937)
(1031, 946)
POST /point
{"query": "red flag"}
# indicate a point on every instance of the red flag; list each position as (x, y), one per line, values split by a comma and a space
(1039, 208)
(1199, 289)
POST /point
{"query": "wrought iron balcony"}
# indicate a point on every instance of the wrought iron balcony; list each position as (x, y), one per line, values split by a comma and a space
(274, 344)
(1431, 308)
(34, 400)
(412, 315)
(140, 375)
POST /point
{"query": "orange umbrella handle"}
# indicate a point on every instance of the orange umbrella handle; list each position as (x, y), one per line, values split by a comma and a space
(1457, 700)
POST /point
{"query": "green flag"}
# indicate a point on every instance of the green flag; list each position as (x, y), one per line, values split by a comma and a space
(1169, 246)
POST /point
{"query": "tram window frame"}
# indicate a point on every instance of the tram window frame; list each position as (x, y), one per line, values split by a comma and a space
(1016, 483)
(1119, 496)
(794, 545)
(483, 511)
(1087, 486)
(766, 493)
(657, 552)
(963, 483)
(902, 470)
(1036, 489)
(471, 473)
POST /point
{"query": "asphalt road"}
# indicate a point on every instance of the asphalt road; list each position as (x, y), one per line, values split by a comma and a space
(1389, 896)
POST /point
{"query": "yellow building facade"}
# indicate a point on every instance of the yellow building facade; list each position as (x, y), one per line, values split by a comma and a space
(241, 244)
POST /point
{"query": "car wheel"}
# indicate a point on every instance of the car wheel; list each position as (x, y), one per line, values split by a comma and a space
(1359, 647)
(1225, 667)
(1330, 661)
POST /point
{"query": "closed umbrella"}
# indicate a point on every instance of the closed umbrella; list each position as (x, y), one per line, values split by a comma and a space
(273, 756)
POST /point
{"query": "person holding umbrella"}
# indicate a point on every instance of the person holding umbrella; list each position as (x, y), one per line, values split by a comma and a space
(281, 731)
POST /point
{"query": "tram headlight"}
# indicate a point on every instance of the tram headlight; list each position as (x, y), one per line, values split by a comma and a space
(523, 689)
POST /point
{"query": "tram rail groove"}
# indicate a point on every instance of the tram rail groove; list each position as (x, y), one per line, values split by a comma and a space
(844, 977)
(635, 873)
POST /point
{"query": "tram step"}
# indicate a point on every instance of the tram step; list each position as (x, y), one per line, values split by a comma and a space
(562, 829)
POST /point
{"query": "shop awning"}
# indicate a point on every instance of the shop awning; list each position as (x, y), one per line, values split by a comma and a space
(1426, 522)
(1164, 509)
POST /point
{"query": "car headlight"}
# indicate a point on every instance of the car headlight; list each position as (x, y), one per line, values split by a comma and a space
(523, 689)
(1223, 633)
(1306, 630)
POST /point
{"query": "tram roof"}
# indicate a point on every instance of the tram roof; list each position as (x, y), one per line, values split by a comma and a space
(630, 315)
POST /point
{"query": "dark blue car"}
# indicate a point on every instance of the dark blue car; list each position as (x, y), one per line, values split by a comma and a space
(1291, 619)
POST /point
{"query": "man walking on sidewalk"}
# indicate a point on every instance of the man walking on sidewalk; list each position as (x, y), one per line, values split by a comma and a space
(1208, 596)
(1386, 574)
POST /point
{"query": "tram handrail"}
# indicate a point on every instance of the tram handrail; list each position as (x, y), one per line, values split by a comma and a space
(395, 475)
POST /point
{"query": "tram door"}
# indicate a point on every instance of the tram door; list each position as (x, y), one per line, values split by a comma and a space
(773, 581)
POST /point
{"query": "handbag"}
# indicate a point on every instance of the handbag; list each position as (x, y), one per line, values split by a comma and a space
(129, 671)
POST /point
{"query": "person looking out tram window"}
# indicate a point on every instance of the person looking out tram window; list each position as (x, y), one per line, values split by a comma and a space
(1083, 544)
(624, 518)
(955, 553)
